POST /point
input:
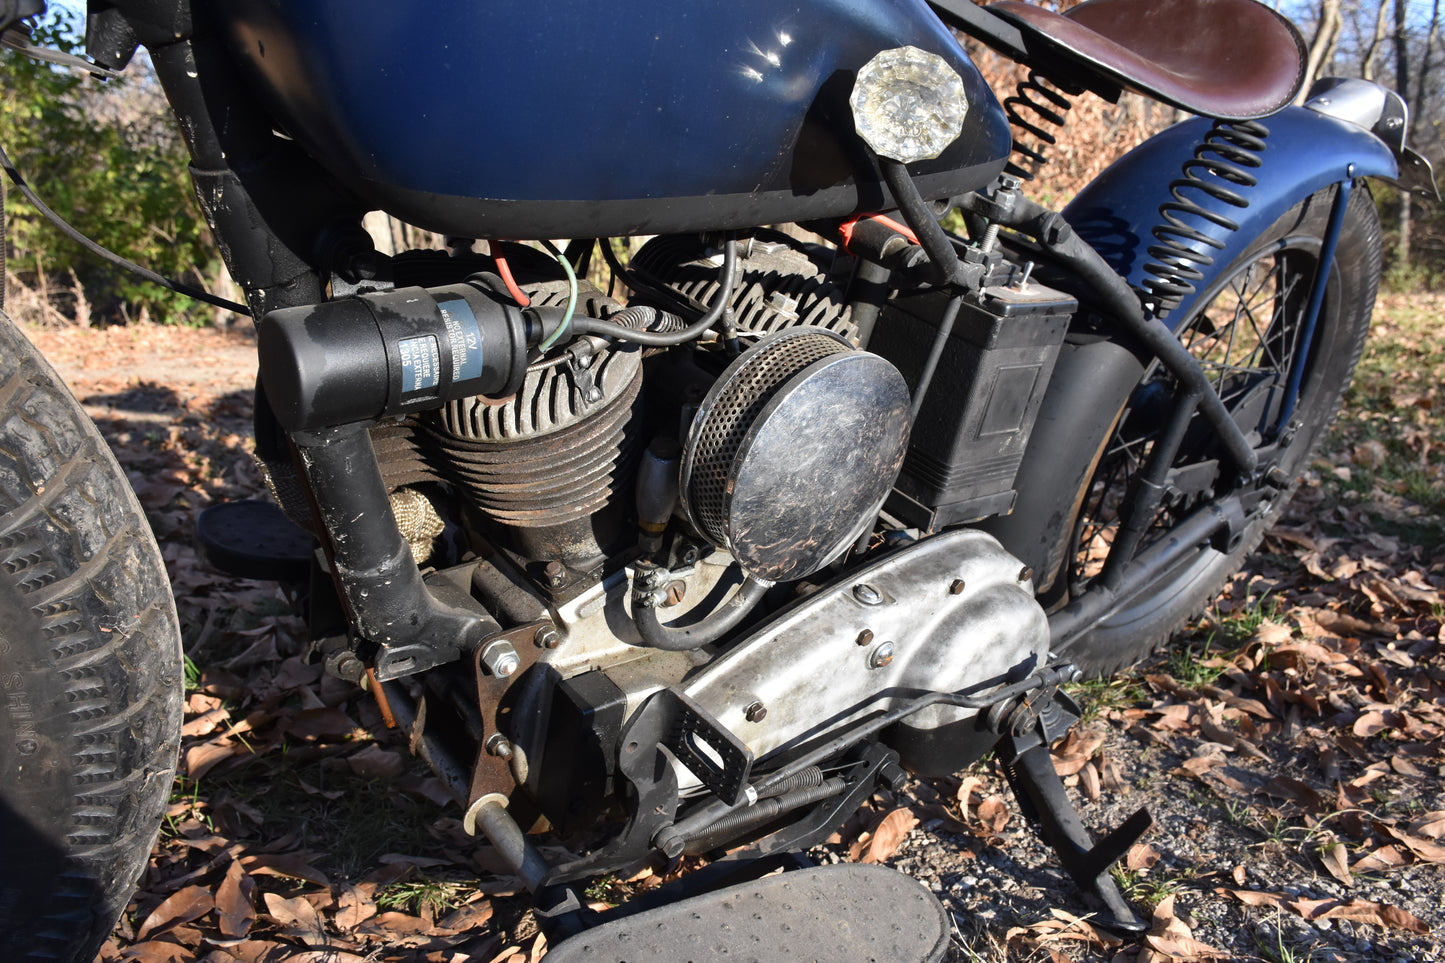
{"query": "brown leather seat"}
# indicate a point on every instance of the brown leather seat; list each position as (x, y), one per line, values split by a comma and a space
(1234, 59)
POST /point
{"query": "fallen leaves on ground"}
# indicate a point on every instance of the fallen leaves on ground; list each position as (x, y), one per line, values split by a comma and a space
(1307, 712)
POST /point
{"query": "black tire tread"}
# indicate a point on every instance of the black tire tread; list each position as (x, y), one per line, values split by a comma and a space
(81, 562)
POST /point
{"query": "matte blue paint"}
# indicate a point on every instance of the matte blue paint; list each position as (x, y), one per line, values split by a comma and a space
(1305, 151)
(594, 103)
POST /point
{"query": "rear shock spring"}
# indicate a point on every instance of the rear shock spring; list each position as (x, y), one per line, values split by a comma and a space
(1221, 163)
(1032, 110)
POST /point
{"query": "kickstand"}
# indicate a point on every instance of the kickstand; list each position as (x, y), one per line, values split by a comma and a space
(1041, 796)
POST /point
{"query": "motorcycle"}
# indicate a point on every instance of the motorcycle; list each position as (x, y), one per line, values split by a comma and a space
(837, 494)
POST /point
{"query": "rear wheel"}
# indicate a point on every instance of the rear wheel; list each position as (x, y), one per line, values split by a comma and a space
(90, 664)
(1247, 337)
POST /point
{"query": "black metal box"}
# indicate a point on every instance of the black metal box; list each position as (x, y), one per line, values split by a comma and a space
(971, 432)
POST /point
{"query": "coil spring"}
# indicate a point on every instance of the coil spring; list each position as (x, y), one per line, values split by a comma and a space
(1221, 162)
(1031, 107)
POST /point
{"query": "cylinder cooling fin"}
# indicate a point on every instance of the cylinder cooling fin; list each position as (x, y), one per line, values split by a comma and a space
(779, 285)
(793, 451)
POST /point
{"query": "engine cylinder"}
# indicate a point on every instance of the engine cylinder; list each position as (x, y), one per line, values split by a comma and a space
(545, 464)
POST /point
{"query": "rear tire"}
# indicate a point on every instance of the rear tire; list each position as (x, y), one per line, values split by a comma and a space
(90, 665)
(1244, 333)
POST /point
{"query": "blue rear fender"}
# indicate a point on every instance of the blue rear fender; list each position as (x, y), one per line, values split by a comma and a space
(1304, 152)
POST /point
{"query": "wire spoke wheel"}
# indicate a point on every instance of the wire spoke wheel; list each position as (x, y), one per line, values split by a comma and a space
(1247, 334)
(1246, 340)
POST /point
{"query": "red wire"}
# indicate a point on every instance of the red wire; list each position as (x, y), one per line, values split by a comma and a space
(506, 272)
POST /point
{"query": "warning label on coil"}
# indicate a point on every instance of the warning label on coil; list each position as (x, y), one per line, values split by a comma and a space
(465, 336)
(421, 364)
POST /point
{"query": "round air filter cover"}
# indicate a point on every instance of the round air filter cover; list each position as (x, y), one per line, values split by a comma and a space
(793, 451)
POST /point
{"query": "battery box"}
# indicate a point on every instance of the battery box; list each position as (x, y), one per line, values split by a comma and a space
(970, 434)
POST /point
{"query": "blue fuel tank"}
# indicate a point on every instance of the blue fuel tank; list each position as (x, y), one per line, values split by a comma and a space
(539, 118)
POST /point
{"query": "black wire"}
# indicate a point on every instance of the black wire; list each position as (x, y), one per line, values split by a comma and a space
(661, 339)
(101, 252)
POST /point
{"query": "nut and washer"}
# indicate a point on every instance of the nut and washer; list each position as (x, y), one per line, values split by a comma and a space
(867, 594)
(546, 637)
(497, 745)
(500, 658)
(880, 656)
(755, 712)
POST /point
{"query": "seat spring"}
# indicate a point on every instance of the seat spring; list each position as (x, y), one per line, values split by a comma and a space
(1032, 110)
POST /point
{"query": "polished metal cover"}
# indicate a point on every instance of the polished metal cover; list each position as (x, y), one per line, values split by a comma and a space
(793, 451)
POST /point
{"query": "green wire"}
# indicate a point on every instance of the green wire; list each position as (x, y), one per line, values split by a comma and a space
(571, 296)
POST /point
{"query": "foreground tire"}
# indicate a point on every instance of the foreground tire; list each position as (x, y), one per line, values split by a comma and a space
(1246, 335)
(90, 665)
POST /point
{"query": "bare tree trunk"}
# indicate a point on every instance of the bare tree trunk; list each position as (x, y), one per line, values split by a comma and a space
(1402, 84)
(1367, 62)
(1326, 38)
(1422, 80)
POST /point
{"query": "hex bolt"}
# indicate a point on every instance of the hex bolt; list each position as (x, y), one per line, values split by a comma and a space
(556, 574)
(497, 745)
(957, 587)
(546, 637)
(1025, 574)
(500, 658)
(755, 712)
(865, 636)
(881, 656)
(867, 594)
(689, 557)
(670, 842)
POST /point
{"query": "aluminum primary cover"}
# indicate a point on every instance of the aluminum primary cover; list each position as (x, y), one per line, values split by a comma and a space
(794, 451)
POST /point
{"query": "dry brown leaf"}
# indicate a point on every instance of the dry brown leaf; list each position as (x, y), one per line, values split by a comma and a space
(1141, 856)
(1359, 911)
(965, 792)
(1283, 787)
(188, 904)
(889, 835)
(1336, 859)
(1381, 860)
(1074, 752)
(374, 762)
(201, 759)
(354, 906)
(294, 865)
(1170, 939)
(472, 916)
(235, 907)
(157, 951)
(1253, 897)
(1426, 849)
(1430, 825)
(298, 919)
(1375, 722)
(993, 815)
(1273, 633)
